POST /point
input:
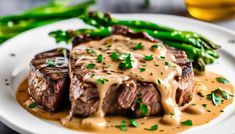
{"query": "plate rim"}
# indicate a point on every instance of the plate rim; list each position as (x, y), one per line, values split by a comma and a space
(18, 128)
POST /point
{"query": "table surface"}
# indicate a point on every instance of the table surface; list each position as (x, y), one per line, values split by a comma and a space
(175, 7)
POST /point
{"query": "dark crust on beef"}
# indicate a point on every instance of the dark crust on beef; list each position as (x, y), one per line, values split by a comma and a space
(121, 100)
(53, 81)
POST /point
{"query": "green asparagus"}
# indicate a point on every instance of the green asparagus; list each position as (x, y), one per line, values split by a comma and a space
(54, 11)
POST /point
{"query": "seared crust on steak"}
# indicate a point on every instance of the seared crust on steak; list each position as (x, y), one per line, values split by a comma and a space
(49, 84)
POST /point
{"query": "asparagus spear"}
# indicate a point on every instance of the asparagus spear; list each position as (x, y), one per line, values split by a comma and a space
(49, 12)
(26, 25)
(99, 19)
(106, 20)
(54, 11)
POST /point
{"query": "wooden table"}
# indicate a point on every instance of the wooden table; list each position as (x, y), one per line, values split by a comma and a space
(175, 7)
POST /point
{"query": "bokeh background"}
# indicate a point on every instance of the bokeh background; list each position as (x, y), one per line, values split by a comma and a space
(173, 7)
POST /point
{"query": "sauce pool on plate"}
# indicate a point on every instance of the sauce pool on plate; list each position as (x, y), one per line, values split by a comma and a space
(212, 93)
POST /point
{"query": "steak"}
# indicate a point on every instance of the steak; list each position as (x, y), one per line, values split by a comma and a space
(49, 80)
(123, 99)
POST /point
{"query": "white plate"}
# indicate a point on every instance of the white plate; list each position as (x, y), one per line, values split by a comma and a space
(26, 45)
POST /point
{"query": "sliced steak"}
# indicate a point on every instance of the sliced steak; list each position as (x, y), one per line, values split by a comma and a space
(122, 99)
(49, 80)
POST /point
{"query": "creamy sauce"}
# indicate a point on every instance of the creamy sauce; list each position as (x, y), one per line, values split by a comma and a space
(195, 111)
(122, 59)
(109, 70)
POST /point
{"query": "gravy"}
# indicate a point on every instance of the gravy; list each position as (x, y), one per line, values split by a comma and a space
(196, 111)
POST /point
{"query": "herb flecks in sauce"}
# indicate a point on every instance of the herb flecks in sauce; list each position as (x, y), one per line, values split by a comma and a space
(99, 58)
(211, 111)
(101, 81)
(152, 128)
(90, 66)
(133, 123)
(122, 126)
(114, 56)
(148, 57)
(222, 80)
(156, 46)
(126, 64)
(218, 95)
(187, 123)
(32, 105)
(142, 69)
(138, 46)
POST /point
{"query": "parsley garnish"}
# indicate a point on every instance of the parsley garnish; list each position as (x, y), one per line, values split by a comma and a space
(187, 123)
(162, 57)
(50, 63)
(167, 64)
(218, 95)
(204, 105)
(90, 66)
(90, 51)
(126, 64)
(148, 57)
(101, 81)
(222, 80)
(159, 81)
(122, 126)
(99, 58)
(114, 56)
(142, 69)
(155, 46)
(133, 123)
(152, 128)
(138, 46)
(32, 105)
(143, 109)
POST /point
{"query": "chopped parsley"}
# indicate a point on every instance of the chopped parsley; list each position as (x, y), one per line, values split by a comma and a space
(122, 126)
(99, 58)
(218, 95)
(159, 81)
(90, 51)
(167, 64)
(101, 81)
(204, 105)
(187, 123)
(90, 66)
(32, 105)
(222, 80)
(155, 46)
(143, 109)
(142, 69)
(138, 46)
(133, 123)
(216, 99)
(126, 64)
(162, 57)
(50, 63)
(114, 56)
(152, 128)
(148, 57)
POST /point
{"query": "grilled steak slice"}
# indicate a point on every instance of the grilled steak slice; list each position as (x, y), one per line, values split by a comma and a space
(123, 99)
(49, 80)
